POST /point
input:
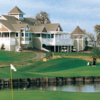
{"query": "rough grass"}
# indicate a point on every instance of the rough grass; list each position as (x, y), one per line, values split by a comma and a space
(47, 95)
(7, 57)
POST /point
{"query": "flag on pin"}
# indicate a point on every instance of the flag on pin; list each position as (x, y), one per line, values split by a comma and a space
(13, 68)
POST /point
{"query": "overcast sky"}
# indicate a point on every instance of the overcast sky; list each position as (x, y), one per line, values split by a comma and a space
(69, 13)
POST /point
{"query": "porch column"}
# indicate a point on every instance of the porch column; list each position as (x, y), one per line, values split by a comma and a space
(9, 41)
(24, 35)
(58, 48)
(19, 39)
(54, 48)
(70, 48)
(1, 34)
(67, 48)
(82, 43)
(78, 45)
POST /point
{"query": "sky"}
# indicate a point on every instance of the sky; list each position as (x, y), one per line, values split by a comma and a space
(69, 13)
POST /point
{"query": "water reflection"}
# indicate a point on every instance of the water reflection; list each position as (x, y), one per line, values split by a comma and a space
(69, 87)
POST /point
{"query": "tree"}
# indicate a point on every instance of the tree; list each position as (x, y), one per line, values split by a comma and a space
(90, 37)
(96, 52)
(97, 30)
(42, 17)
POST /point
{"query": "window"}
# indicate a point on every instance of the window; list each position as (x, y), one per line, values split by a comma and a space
(30, 37)
(52, 35)
(26, 34)
(22, 34)
(20, 15)
(16, 34)
(36, 35)
(48, 36)
(43, 35)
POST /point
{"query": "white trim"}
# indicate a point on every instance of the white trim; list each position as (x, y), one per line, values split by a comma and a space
(9, 42)
(76, 34)
(58, 32)
(82, 43)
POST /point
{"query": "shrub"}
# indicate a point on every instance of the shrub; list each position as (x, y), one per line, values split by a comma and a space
(2, 47)
(96, 52)
(49, 55)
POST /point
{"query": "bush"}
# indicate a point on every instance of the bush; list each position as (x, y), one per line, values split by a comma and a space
(2, 47)
(96, 52)
(49, 55)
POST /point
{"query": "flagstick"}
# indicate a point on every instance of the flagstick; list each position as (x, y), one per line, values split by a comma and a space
(11, 82)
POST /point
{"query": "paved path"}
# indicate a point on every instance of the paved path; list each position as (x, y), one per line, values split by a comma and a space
(39, 55)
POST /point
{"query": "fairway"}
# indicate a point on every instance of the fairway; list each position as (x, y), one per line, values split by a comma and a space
(62, 67)
(47, 95)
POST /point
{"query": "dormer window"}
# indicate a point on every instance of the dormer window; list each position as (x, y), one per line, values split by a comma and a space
(20, 15)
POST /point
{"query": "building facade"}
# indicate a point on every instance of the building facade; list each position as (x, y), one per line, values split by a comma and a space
(16, 30)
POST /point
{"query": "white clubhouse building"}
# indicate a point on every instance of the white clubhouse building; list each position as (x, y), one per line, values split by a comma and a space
(16, 30)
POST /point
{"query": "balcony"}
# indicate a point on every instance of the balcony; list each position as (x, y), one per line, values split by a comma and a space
(65, 42)
(59, 42)
(24, 40)
(7, 41)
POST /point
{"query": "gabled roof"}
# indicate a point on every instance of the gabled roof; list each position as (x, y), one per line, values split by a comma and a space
(37, 29)
(77, 31)
(16, 10)
(17, 27)
(52, 27)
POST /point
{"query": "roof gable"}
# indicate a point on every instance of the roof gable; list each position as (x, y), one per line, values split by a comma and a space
(3, 28)
(52, 27)
(16, 10)
(77, 31)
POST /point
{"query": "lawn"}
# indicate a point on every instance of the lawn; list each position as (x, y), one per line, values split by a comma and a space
(73, 54)
(7, 57)
(47, 95)
(61, 67)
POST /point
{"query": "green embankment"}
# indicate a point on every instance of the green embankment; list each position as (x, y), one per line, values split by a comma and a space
(47, 95)
(7, 57)
(61, 67)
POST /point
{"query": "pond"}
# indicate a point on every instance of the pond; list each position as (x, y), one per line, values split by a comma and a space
(68, 87)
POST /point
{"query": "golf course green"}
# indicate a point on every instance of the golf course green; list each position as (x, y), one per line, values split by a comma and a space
(46, 95)
(59, 67)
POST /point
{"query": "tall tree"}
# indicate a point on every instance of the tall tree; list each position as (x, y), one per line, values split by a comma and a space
(42, 17)
(97, 30)
(90, 37)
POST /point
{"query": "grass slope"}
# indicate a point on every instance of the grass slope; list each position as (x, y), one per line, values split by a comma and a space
(7, 57)
(62, 67)
(47, 95)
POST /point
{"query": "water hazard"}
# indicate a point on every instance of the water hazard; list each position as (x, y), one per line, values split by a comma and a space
(68, 87)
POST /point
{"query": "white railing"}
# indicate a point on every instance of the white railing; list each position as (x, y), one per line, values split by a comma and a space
(48, 41)
(69, 42)
(7, 41)
(60, 42)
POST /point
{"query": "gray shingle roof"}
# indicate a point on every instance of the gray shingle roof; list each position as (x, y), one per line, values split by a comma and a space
(51, 27)
(77, 31)
(36, 29)
(16, 10)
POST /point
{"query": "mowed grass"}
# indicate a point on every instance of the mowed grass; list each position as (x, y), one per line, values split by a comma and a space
(7, 57)
(47, 95)
(62, 67)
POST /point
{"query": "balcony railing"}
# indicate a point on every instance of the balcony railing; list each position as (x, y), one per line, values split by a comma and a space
(60, 42)
(7, 41)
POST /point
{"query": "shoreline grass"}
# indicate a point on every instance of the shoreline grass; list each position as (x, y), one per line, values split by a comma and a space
(47, 95)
